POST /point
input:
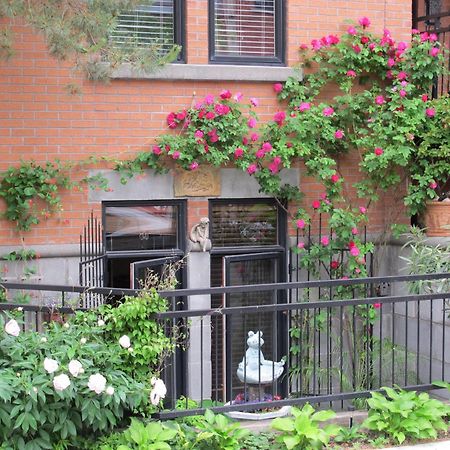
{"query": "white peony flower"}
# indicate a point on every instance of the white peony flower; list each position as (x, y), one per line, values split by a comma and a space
(66, 325)
(20, 309)
(61, 382)
(43, 339)
(12, 328)
(110, 390)
(75, 368)
(97, 383)
(158, 392)
(83, 341)
(124, 341)
(50, 365)
(130, 349)
(100, 323)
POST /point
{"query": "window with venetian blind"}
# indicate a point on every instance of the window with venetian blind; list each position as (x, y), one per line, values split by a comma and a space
(155, 22)
(246, 31)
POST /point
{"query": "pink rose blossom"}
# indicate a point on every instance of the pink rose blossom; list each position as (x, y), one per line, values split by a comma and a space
(316, 44)
(252, 168)
(279, 118)
(389, 75)
(222, 110)
(210, 115)
(352, 31)
(238, 152)
(424, 98)
(254, 101)
(328, 111)
(254, 137)
(194, 165)
(277, 87)
(364, 40)
(267, 147)
(379, 100)
(225, 94)
(391, 62)
(415, 31)
(356, 48)
(351, 73)
(339, 134)
(433, 185)
(176, 154)
(238, 96)
(304, 106)
(354, 231)
(209, 99)
(301, 224)
(372, 46)
(434, 51)
(303, 47)
(251, 122)
(357, 270)
(378, 151)
(260, 153)
(402, 93)
(156, 150)
(334, 178)
(402, 46)
(430, 112)
(377, 305)
(277, 160)
(324, 241)
(199, 134)
(274, 167)
(316, 204)
(402, 76)
(334, 265)
(364, 22)
(362, 210)
(432, 37)
(301, 245)
(323, 195)
(354, 251)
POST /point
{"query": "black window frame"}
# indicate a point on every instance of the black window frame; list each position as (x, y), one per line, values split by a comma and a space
(280, 41)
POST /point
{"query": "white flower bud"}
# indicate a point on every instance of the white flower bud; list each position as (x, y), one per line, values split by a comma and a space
(75, 367)
(83, 341)
(43, 339)
(12, 328)
(20, 309)
(66, 325)
(100, 323)
(61, 382)
(110, 390)
(50, 365)
(97, 383)
(124, 341)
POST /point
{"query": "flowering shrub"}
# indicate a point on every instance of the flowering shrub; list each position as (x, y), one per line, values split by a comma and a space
(59, 385)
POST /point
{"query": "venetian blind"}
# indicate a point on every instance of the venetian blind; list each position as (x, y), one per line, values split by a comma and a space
(153, 23)
(244, 28)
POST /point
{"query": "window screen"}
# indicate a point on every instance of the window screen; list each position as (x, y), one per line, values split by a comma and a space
(243, 224)
(152, 23)
(247, 29)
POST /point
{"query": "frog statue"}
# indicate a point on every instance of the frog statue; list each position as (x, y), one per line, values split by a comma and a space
(254, 368)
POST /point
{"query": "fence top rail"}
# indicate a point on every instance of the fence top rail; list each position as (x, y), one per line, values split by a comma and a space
(228, 289)
(281, 307)
(433, 16)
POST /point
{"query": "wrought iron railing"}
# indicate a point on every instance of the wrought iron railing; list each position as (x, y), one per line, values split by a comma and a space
(336, 347)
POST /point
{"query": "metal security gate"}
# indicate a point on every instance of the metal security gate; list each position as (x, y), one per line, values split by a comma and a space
(92, 259)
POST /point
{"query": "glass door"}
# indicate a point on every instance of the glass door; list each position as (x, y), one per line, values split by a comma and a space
(248, 269)
(151, 271)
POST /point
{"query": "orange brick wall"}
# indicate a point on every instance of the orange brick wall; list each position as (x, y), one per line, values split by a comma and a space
(40, 120)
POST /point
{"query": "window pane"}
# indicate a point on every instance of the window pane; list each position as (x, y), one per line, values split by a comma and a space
(147, 24)
(140, 227)
(237, 225)
(245, 28)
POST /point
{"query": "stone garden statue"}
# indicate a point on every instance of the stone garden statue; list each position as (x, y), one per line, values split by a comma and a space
(200, 235)
(254, 368)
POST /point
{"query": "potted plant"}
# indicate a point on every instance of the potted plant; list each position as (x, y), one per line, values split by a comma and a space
(429, 191)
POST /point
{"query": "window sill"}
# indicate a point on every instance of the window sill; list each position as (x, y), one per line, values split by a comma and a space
(204, 72)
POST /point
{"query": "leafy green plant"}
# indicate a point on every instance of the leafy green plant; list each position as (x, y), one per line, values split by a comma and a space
(349, 434)
(304, 429)
(62, 384)
(152, 436)
(400, 415)
(261, 441)
(217, 432)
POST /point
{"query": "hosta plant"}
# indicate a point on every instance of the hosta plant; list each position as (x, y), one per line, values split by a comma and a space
(305, 429)
(401, 415)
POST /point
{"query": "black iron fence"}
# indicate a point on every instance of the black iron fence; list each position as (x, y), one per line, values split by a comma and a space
(328, 342)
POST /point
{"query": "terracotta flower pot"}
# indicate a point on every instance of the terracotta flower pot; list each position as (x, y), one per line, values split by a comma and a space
(437, 219)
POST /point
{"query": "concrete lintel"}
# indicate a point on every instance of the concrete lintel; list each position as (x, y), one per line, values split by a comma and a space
(209, 72)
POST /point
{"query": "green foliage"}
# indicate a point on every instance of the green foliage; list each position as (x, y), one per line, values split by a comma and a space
(348, 434)
(83, 34)
(134, 317)
(426, 258)
(404, 415)
(38, 413)
(219, 433)
(261, 441)
(31, 192)
(304, 430)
